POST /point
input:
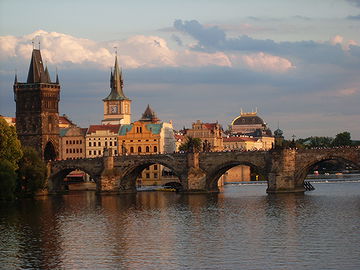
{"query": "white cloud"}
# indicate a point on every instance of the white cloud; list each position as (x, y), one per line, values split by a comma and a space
(345, 44)
(266, 62)
(134, 52)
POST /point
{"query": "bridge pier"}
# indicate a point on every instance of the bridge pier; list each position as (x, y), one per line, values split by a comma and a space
(281, 178)
(195, 179)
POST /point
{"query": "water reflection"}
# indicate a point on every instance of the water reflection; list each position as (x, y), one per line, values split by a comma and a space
(240, 228)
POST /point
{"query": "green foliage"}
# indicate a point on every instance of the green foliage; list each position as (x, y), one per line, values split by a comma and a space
(10, 147)
(191, 145)
(342, 139)
(7, 180)
(32, 172)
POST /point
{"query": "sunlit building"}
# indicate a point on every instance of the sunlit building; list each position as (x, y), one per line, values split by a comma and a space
(72, 142)
(209, 133)
(99, 137)
(148, 136)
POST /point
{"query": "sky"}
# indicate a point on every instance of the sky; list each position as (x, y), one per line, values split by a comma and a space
(296, 62)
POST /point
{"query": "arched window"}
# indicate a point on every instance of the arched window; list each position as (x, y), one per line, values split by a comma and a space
(147, 149)
(131, 149)
(155, 149)
(139, 149)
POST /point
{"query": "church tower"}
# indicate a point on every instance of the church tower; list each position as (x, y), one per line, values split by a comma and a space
(37, 110)
(116, 104)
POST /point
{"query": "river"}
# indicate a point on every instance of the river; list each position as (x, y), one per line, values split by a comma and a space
(239, 228)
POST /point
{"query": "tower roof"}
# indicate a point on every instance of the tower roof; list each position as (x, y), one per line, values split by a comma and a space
(37, 74)
(248, 119)
(116, 84)
(149, 115)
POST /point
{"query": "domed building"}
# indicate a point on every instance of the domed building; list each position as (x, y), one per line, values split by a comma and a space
(249, 124)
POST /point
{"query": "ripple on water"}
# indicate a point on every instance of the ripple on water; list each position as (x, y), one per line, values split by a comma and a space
(241, 228)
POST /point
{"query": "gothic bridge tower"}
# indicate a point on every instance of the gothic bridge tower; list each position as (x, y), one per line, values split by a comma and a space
(37, 110)
(117, 107)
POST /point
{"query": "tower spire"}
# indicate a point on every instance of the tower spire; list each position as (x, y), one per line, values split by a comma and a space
(15, 80)
(116, 83)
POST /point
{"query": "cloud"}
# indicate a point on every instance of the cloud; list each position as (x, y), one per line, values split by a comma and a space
(135, 52)
(345, 44)
(346, 92)
(356, 17)
(266, 62)
(355, 2)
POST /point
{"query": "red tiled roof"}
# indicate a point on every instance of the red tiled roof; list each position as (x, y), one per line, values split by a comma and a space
(111, 128)
(210, 125)
(65, 120)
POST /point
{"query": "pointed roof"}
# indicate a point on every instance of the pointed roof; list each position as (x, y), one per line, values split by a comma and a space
(36, 67)
(116, 84)
(149, 115)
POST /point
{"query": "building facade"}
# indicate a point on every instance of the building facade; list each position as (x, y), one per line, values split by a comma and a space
(99, 137)
(117, 107)
(209, 133)
(37, 109)
(72, 142)
(146, 137)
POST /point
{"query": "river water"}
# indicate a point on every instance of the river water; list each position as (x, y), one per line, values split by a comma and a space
(239, 228)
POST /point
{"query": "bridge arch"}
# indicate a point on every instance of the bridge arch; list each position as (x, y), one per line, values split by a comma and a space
(304, 170)
(61, 169)
(214, 175)
(129, 176)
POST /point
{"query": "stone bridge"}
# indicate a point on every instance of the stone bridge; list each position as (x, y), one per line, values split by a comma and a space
(284, 169)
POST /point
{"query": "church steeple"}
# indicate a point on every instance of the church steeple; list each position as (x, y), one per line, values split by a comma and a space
(116, 84)
(36, 67)
(116, 105)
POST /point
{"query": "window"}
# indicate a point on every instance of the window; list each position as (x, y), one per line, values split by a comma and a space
(115, 143)
(115, 152)
(67, 151)
(73, 141)
(80, 150)
(148, 168)
(67, 142)
(139, 149)
(148, 175)
(77, 150)
(105, 144)
(80, 141)
(131, 149)
(89, 143)
(147, 149)
(155, 167)
(99, 143)
(90, 152)
(155, 149)
(110, 143)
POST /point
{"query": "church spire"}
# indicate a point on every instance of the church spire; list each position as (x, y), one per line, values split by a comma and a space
(116, 83)
(36, 67)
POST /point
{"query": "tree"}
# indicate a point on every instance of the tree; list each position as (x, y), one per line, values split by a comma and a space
(7, 180)
(342, 139)
(10, 146)
(10, 154)
(191, 145)
(32, 172)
